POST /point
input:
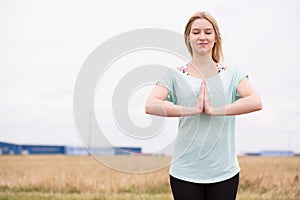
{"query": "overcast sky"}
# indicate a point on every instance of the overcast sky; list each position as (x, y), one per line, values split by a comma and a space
(43, 45)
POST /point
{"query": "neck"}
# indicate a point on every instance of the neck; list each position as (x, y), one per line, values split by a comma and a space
(203, 60)
(204, 65)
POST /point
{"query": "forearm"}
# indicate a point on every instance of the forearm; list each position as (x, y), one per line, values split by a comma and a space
(242, 106)
(167, 109)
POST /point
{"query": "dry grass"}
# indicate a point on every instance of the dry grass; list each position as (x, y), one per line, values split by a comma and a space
(269, 178)
(83, 177)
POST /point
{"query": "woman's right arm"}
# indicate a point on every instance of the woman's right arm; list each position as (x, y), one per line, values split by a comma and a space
(156, 104)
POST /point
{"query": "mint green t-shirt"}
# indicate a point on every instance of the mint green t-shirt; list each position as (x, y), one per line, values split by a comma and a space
(205, 150)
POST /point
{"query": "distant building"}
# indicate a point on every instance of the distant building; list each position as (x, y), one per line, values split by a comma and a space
(93, 151)
(271, 153)
(10, 149)
(277, 153)
(127, 150)
(251, 154)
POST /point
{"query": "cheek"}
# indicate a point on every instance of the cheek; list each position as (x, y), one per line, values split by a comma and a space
(212, 38)
(192, 38)
(215, 38)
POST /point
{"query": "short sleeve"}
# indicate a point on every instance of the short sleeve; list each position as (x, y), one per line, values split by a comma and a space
(238, 76)
(167, 80)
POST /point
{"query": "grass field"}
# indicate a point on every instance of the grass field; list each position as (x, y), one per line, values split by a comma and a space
(83, 177)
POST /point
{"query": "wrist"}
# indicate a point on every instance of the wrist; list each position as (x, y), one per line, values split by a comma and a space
(190, 111)
(218, 111)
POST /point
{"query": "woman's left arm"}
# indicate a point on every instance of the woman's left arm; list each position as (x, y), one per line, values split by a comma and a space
(249, 102)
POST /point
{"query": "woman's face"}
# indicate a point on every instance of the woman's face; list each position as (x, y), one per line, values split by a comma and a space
(202, 37)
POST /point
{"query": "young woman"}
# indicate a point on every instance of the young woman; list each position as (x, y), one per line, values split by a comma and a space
(205, 96)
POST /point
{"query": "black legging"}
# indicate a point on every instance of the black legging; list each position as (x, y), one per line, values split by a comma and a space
(224, 190)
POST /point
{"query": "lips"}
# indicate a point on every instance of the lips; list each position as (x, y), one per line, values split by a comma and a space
(202, 44)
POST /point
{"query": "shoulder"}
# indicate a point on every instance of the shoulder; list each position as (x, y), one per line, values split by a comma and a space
(171, 72)
(234, 72)
(176, 69)
(179, 68)
(221, 66)
(231, 69)
(237, 70)
(237, 74)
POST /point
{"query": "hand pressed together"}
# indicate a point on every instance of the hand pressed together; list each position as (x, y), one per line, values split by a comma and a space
(203, 103)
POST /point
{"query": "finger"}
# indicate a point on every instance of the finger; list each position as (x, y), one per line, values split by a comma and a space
(201, 85)
(205, 87)
(206, 96)
(202, 91)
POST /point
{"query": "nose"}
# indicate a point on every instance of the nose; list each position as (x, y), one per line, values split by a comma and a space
(202, 36)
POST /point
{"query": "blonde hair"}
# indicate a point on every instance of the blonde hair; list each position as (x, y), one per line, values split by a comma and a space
(217, 52)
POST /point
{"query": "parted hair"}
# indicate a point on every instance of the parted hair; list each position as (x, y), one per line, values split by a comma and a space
(217, 52)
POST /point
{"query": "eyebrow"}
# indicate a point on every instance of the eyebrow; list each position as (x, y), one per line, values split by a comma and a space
(206, 29)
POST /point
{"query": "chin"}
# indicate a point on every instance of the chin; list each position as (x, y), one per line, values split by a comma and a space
(201, 51)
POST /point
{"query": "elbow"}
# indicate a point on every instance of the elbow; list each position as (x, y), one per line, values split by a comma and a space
(147, 110)
(153, 108)
(147, 107)
(258, 105)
